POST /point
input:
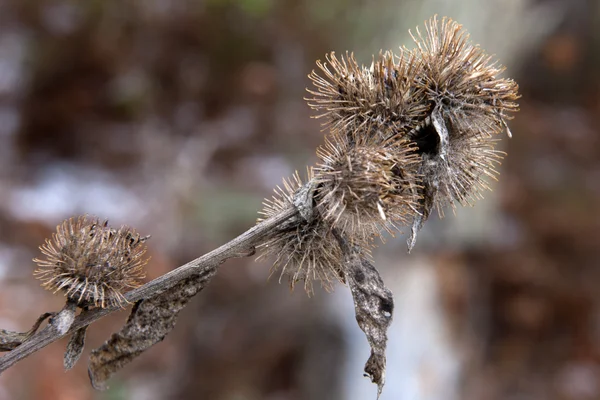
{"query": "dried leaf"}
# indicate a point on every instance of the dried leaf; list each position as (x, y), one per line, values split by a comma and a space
(74, 348)
(150, 321)
(373, 305)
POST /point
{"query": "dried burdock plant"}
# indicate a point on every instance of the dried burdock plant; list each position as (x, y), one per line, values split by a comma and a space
(445, 96)
(91, 263)
(364, 189)
(468, 103)
(305, 251)
(410, 133)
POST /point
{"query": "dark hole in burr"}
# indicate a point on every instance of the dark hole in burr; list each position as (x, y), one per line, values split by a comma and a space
(426, 139)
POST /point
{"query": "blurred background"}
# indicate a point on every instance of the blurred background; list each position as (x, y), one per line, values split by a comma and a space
(178, 117)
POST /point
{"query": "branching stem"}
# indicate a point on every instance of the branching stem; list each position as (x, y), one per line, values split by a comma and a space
(241, 246)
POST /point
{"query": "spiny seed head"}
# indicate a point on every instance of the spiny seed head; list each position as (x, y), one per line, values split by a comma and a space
(92, 264)
(365, 189)
(468, 104)
(399, 92)
(462, 79)
(383, 95)
(306, 250)
(446, 97)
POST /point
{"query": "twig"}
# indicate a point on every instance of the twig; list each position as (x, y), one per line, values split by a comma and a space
(10, 340)
(241, 246)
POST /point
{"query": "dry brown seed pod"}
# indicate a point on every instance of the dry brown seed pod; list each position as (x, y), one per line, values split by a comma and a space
(459, 177)
(304, 251)
(365, 189)
(461, 80)
(469, 103)
(382, 96)
(92, 264)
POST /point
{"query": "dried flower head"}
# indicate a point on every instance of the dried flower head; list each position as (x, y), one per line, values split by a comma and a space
(382, 96)
(366, 189)
(92, 264)
(469, 103)
(446, 97)
(461, 80)
(306, 250)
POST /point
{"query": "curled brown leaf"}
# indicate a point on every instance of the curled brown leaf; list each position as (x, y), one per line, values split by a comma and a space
(149, 322)
(373, 305)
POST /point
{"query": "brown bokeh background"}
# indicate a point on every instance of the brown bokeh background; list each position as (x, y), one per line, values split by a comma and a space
(178, 117)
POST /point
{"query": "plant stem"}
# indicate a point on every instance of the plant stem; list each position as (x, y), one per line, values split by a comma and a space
(241, 246)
